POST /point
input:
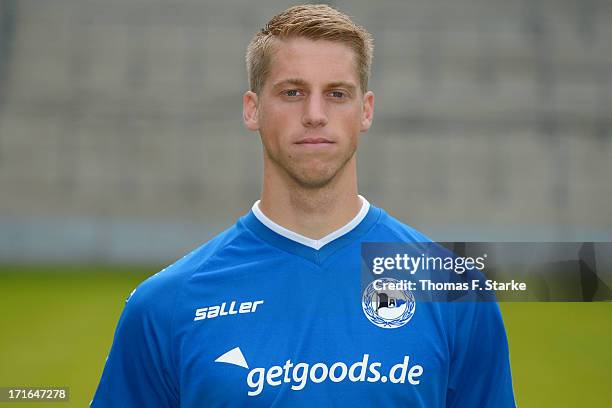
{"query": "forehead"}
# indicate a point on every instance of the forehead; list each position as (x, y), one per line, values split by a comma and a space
(314, 61)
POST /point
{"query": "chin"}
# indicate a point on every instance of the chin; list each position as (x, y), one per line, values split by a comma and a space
(313, 173)
(312, 183)
(314, 179)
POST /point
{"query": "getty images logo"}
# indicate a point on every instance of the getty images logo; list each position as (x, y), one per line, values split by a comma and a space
(299, 374)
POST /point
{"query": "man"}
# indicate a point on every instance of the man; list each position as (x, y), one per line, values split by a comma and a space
(270, 312)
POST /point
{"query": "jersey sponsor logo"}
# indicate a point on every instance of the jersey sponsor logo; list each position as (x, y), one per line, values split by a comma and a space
(234, 356)
(386, 308)
(298, 375)
(210, 312)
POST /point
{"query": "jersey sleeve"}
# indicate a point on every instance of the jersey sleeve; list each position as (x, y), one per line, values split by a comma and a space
(139, 369)
(480, 364)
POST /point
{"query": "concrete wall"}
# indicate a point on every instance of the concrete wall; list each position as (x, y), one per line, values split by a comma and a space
(123, 119)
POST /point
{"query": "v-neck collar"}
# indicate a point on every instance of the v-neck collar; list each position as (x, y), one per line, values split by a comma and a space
(314, 250)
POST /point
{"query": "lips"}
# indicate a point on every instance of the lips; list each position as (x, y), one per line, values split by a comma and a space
(314, 140)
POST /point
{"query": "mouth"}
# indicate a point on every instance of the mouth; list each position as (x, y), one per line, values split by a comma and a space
(314, 141)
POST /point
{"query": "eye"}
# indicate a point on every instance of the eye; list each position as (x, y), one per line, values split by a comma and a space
(292, 93)
(338, 94)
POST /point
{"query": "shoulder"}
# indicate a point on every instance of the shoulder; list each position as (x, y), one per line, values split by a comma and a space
(393, 229)
(158, 292)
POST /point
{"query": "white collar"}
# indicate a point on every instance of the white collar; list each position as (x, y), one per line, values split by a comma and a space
(312, 243)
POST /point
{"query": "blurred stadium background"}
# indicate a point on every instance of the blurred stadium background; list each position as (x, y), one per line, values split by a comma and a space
(122, 147)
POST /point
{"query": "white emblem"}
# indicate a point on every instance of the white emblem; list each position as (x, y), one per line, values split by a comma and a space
(234, 356)
(388, 309)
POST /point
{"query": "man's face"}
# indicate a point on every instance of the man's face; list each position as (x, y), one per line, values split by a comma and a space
(310, 110)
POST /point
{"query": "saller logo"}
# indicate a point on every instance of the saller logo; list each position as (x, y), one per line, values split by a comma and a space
(210, 312)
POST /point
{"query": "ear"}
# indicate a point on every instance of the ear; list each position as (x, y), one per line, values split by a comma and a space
(367, 114)
(250, 114)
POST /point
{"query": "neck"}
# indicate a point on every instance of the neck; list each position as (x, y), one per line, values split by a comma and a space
(311, 212)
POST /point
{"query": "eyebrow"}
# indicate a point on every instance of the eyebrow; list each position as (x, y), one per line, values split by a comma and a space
(343, 84)
(300, 82)
(289, 81)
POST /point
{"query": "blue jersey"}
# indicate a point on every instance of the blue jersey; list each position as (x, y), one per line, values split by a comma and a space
(260, 316)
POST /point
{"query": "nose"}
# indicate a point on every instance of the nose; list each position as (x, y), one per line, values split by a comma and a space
(314, 112)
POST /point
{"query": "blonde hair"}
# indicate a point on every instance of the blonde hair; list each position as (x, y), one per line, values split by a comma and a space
(315, 22)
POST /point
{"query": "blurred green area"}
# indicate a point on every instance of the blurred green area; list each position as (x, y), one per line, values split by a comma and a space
(57, 325)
